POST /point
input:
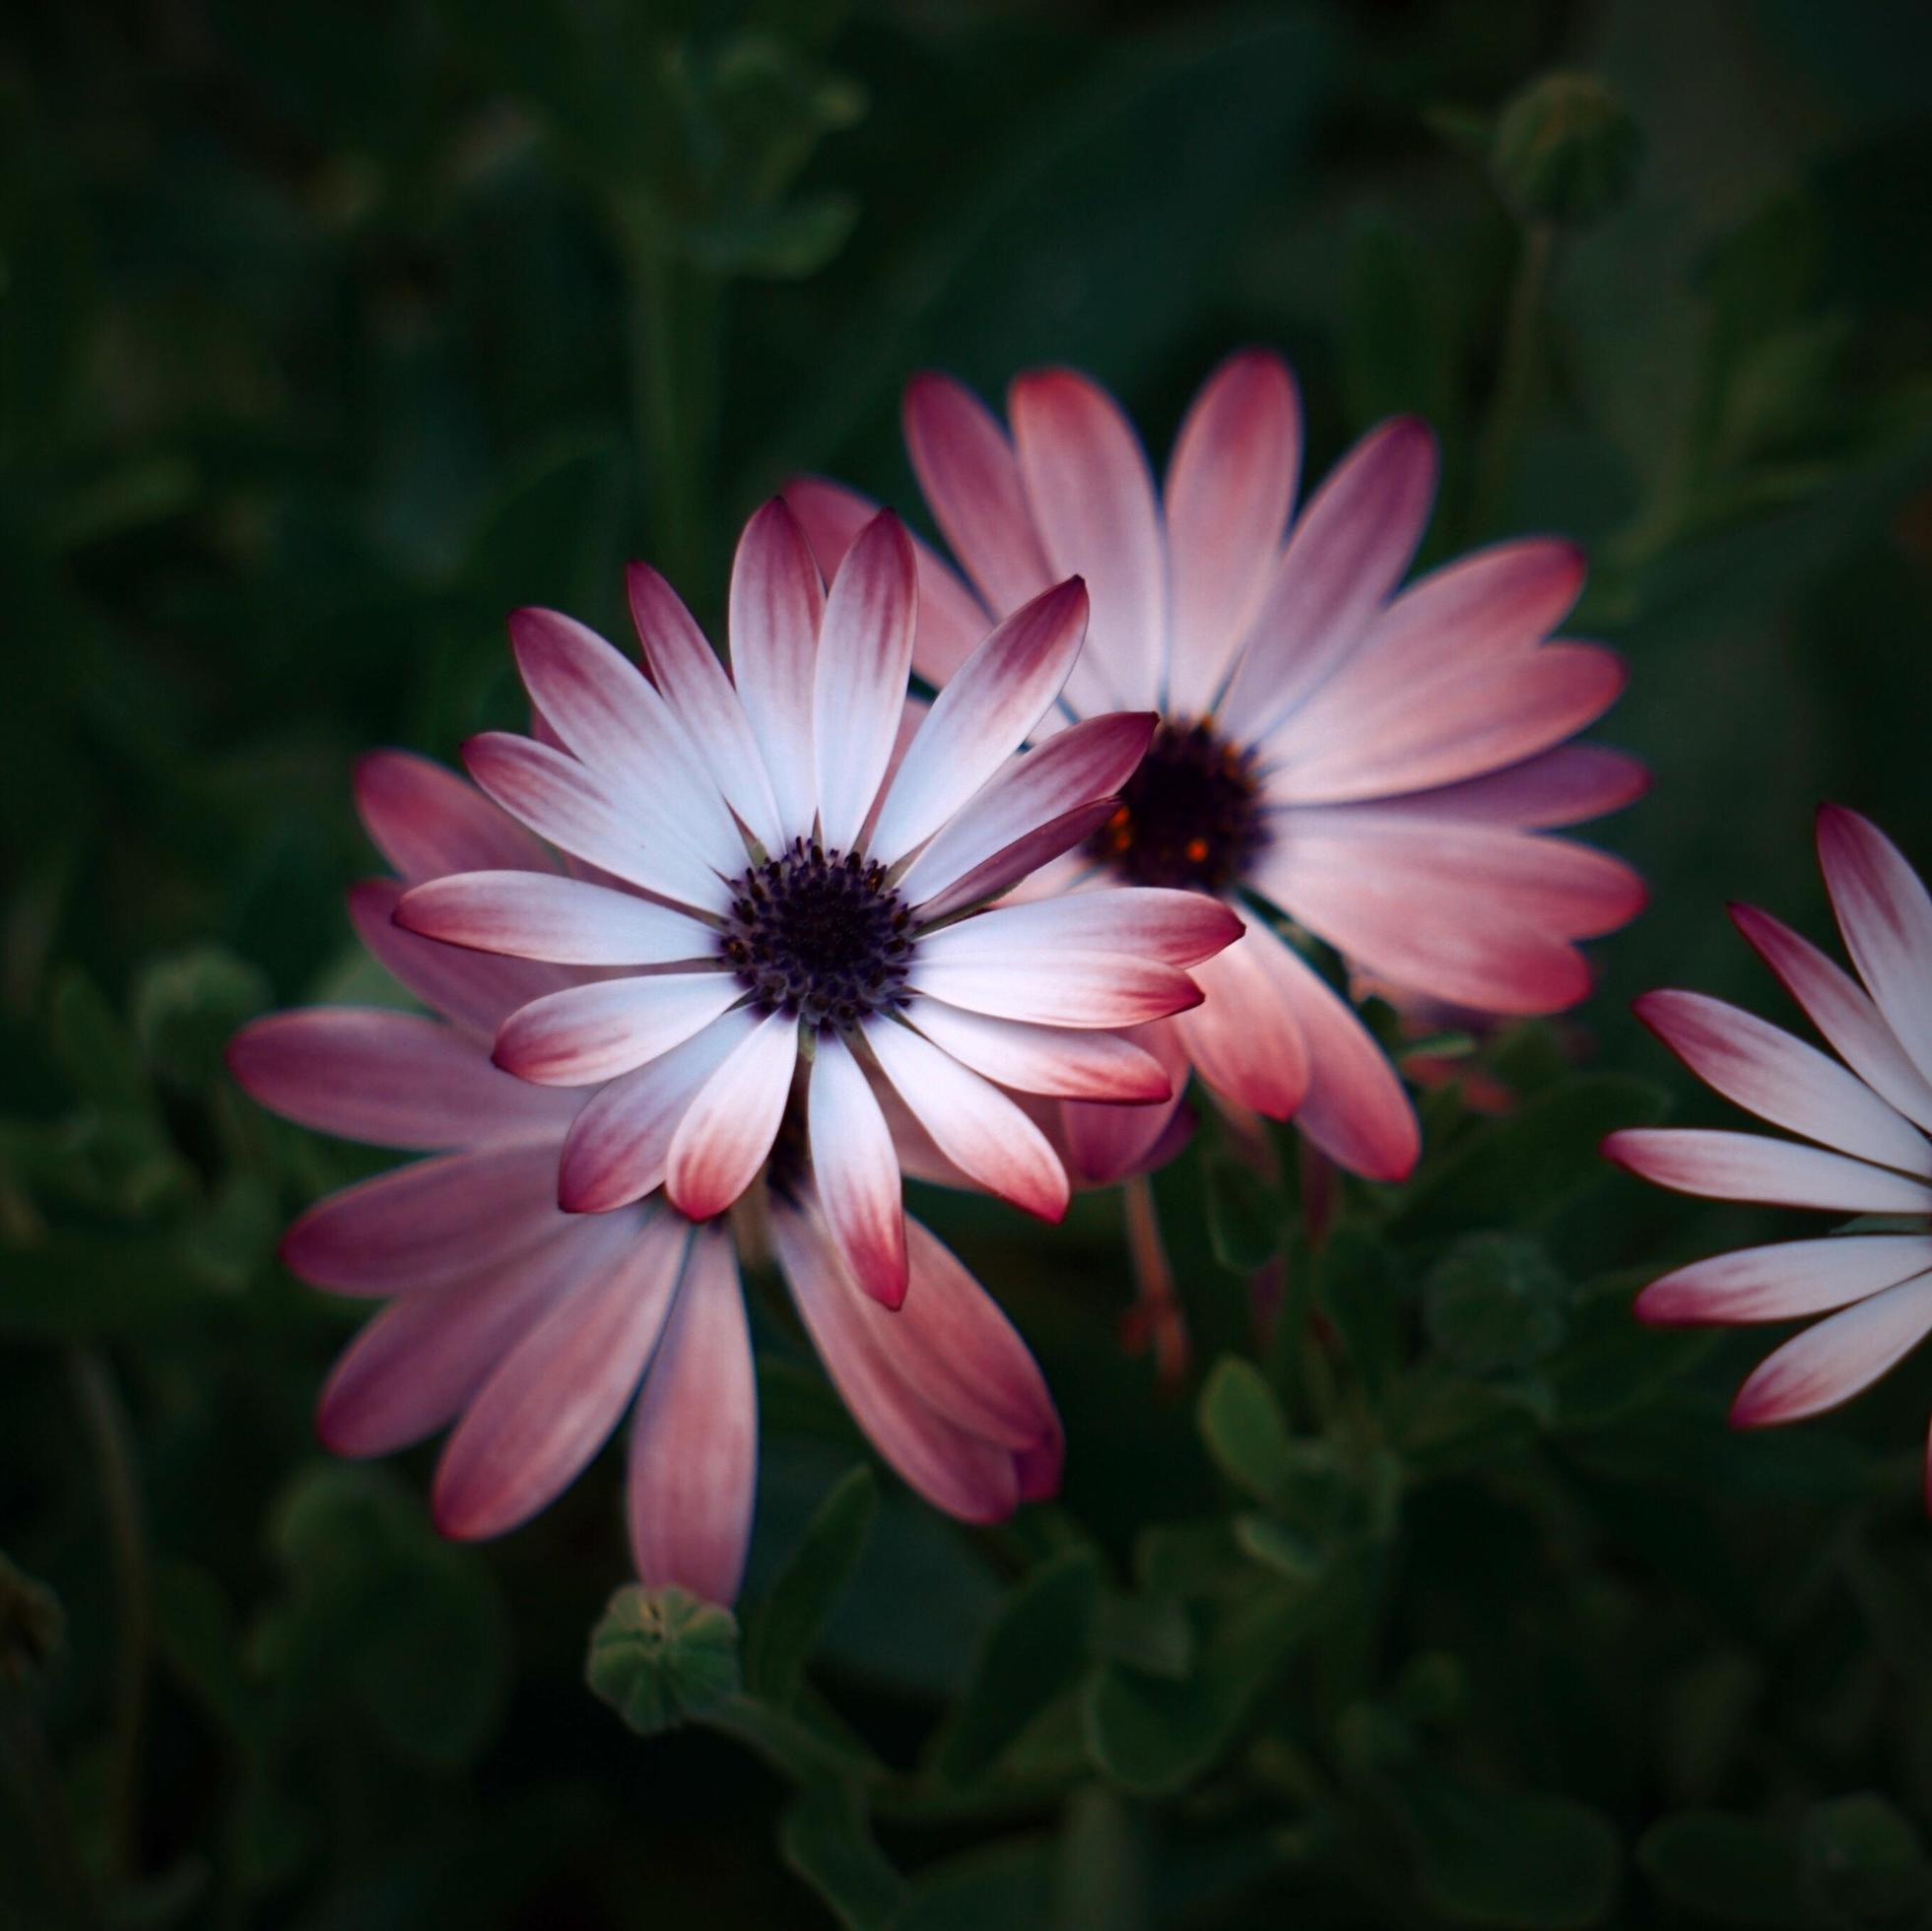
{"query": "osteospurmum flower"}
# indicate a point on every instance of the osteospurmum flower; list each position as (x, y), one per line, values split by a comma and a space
(806, 894)
(533, 1330)
(1378, 764)
(1868, 1114)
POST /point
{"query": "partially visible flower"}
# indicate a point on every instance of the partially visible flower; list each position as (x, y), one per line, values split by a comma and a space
(805, 896)
(1378, 764)
(532, 1329)
(1868, 1113)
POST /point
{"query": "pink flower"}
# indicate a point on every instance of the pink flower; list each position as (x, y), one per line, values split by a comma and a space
(798, 894)
(1869, 1118)
(531, 1329)
(1378, 764)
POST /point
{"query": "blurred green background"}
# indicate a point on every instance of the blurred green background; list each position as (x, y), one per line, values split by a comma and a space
(330, 332)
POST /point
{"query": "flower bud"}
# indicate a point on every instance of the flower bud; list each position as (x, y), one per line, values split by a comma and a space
(1565, 149)
(658, 1656)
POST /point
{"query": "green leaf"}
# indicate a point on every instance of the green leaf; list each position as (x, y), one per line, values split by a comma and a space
(1102, 1884)
(793, 1615)
(662, 1656)
(186, 1008)
(1359, 1289)
(1244, 1220)
(1272, 1544)
(797, 1742)
(1245, 1429)
(1742, 1870)
(826, 1839)
(1504, 1858)
(1038, 1641)
(775, 245)
(80, 1288)
(1865, 1860)
(96, 1050)
(195, 1631)
(1495, 1303)
(1148, 1631)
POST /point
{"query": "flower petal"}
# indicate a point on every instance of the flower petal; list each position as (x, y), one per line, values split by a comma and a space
(1047, 1059)
(976, 722)
(1242, 1038)
(728, 1129)
(426, 821)
(857, 1172)
(1102, 1144)
(1230, 485)
(776, 604)
(588, 1034)
(1025, 861)
(1885, 915)
(1178, 928)
(531, 915)
(428, 1222)
(701, 694)
(972, 1123)
(1783, 1080)
(1752, 1167)
(692, 1467)
(1345, 555)
(1088, 761)
(390, 1078)
(1563, 786)
(621, 1140)
(865, 654)
(1782, 1282)
(1836, 1357)
(1092, 495)
(1059, 988)
(554, 1401)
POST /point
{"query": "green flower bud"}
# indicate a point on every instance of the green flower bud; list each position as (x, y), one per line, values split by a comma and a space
(660, 1656)
(1565, 149)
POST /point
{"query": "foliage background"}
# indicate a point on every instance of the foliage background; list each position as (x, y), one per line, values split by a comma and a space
(329, 332)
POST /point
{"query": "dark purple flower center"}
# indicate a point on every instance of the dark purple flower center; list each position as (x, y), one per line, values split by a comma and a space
(1189, 816)
(821, 935)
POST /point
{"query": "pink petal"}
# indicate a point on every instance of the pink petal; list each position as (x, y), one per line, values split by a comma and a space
(1056, 1060)
(692, 1470)
(1058, 988)
(419, 1362)
(563, 800)
(951, 620)
(588, 1034)
(1092, 495)
(1885, 915)
(1838, 1358)
(1230, 485)
(1563, 786)
(1025, 862)
(531, 915)
(972, 1123)
(777, 605)
(701, 694)
(1346, 553)
(1841, 1010)
(950, 1466)
(1412, 736)
(973, 485)
(621, 1140)
(476, 991)
(390, 1078)
(426, 821)
(865, 654)
(1178, 928)
(1750, 1166)
(428, 1222)
(554, 1401)
(996, 697)
(1242, 1038)
(1783, 1282)
(728, 1129)
(1103, 1143)
(1355, 1109)
(1088, 760)
(857, 1172)
(1783, 1080)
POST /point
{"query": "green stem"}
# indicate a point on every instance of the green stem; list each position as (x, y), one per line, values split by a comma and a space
(45, 1804)
(1519, 380)
(106, 1420)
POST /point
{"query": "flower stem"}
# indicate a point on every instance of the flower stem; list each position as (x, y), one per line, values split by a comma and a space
(106, 1420)
(1519, 380)
(1156, 1319)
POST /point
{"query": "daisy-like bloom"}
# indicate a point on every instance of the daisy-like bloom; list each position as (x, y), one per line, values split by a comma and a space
(1868, 1114)
(796, 894)
(532, 1329)
(1378, 764)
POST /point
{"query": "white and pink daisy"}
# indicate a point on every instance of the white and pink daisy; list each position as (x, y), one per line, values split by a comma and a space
(1376, 765)
(1867, 1114)
(532, 1330)
(792, 889)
